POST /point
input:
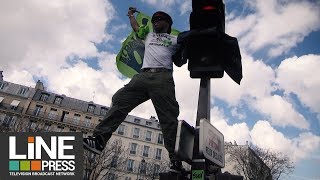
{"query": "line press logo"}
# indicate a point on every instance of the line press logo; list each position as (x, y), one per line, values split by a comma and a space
(44, 154)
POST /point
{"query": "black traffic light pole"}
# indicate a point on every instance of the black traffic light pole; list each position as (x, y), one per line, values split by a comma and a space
(203, 110)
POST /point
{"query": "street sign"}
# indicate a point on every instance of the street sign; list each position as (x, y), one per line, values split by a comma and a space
(211, 143)
(184, 141)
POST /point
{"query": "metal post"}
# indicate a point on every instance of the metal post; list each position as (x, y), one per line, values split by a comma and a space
(204, 100)
(199, 163)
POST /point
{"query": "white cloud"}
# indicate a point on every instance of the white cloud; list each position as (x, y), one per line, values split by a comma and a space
(39, 36)
(256, 91)
(280, 112)
(185, 7)
(305, 144)
(235, 113)
(160, 4)
(265, 136)
(238, 132)
(275, 24)
(187, 92)
(234, 22)
(20, 77)
(300, 75)
(257, 82)
(85, 83)
(116, 28)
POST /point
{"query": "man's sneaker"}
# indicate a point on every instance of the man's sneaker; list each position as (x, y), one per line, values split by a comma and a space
(176, 167)
(92, 145)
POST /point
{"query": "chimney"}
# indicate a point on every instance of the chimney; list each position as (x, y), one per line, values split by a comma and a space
(154, 118)
(39, 85)
(1, 76)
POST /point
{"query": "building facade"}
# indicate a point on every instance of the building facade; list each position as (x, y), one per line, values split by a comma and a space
(33, 109)
(242, 160)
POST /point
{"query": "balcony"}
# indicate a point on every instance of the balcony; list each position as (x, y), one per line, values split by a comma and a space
(130, 169)
(132, 152)
(145, 154)
(57, 119)
(121, 132)
(8, 107)
(135, 136)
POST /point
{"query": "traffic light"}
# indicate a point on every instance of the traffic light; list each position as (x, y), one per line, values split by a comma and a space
(209, 50)
(207, 14)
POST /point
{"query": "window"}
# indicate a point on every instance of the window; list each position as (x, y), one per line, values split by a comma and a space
(148, 123)
(133, 148)
(37, 110)
(64, 117)
(87, 121)
(143, 167)
(136, 132)
(130, 165)
(23, 90)
(44, 97)
(76, 118)
(156, 169)
(57, 100)
(8, 121)
(160, 138)
(158, 154)
(146, 151)
(60, 129)
(91, 108)
(53, 113)
(103, 111)
(111, 176)
(114, 161)
(14, 104)
(47, 127)
(32, 125)
(3, 85)
(148, 135)
(136, 120)
(121, 129)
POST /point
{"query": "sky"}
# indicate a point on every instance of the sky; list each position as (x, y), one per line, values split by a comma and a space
(71, 46)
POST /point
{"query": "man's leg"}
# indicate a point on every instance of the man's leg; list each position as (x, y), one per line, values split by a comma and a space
(163, 98)
(123, 101)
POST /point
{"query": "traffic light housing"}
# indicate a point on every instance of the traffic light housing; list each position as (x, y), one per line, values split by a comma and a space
(209, 50)
(207, 14)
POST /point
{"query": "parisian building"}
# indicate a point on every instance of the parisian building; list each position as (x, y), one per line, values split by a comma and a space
(34, 109)
(242, 160)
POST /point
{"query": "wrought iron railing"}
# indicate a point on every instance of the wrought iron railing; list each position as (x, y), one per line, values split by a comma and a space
(36, 113)
(10, 108)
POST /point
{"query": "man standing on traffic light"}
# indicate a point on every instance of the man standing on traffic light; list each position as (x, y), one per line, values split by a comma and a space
(155, 82)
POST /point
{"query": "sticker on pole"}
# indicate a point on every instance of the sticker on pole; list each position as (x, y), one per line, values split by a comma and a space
(198, 175)
(211, 143)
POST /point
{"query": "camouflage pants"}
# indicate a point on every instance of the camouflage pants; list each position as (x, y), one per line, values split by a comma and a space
(157, 86)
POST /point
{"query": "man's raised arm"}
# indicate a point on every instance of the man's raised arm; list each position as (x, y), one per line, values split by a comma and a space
(133, 22)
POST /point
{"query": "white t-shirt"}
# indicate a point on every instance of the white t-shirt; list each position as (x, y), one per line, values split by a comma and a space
(159, 48)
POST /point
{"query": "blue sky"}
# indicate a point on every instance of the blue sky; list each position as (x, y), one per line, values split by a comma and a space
(71, 46)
